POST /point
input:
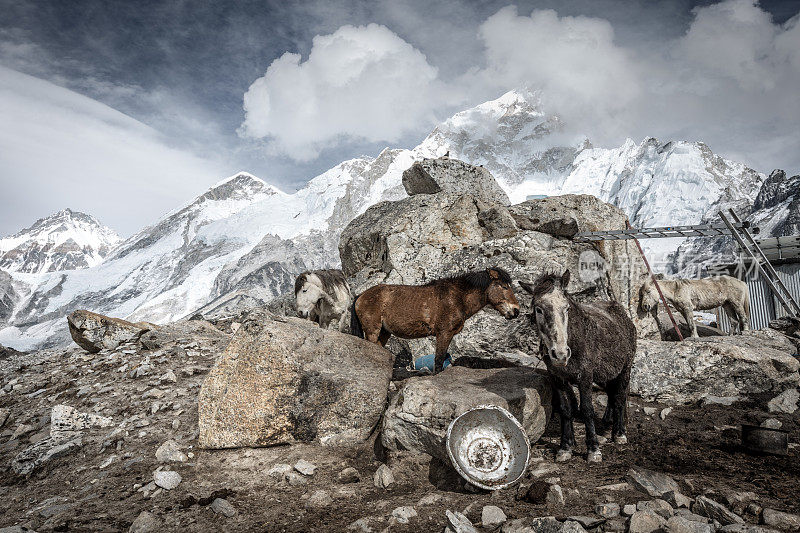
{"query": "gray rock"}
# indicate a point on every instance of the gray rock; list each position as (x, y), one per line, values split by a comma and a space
(146, 522)
(676, 499)
(646, 522)
(545, 524)
(295, 479)
(279, 471)
(705, 506)
(720, 400)
(66, 419)
(658, 506)
(588, 522)
(607, 510)
(383, 477)
(653, 483)
(771, 423)
(492, 516)
(304, 467)
(431, 176)
(94, 332)
(628, 509)
(348, 475)
(679, 524)
(744, 528)
(4, 412)
(785, 402)
(319, 500)
(459, 523)
(361, 525)
(284, 380)
(615, 525)
(555, 496)
(170, 452)
(45, 451)
(404, 514)
(781, 520)
(166, 479)
(419, 414)
(223, 507)
(739, 365)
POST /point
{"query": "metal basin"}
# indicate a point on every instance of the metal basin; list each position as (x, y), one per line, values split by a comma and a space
(488, 447)
(765, 440)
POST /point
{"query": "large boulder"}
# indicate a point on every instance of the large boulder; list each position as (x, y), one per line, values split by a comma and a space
(419, 414)
(421, 238)
(284, 380)
(753, 363)
(431, 176)
(94, 332)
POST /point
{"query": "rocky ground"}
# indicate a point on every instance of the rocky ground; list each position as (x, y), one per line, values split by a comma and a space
(108, 441)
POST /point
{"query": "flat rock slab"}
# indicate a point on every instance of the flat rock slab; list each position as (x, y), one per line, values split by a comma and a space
(283, 380)
(94, 332)
(419, 414)
(739, 365)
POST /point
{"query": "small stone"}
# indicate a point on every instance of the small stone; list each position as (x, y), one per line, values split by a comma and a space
(404, 514)
(105, 464)
(649, 410)
(719, 400)
(628, 509)
(166, 479)
(361, 525)
(555, 496)
(319, 500)
(607, 510)
(459, 523)
(645, 522)
(21, 430)
(676, 499)
(658, 506)
(295, 479)
(146, 522)
(170, 452)
(716, 511)
(785, 402)
(492, 516)
(536, 493)
(176, 424)
(348, 475)
(781, 520)
(571, 526)
(615, 525)
(4, 412)
(771, 423)
(383, 477)
(665, 412)
(679, 524)
(305, 468)
(169, 377)
(279, 471)
(223, 507)
(653, 483)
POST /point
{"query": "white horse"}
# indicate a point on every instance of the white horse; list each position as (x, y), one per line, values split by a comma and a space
(687, 295)
(323, 296)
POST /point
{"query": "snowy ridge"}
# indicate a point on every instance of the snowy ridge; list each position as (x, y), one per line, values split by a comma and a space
(66, 240)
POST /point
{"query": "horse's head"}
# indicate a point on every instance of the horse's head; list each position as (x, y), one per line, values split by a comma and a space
(551, 315)
(308, 291)
(500, 294)
(648, 294)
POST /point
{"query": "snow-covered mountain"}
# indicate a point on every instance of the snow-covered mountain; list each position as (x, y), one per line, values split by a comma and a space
(245, 239)
(66, 240)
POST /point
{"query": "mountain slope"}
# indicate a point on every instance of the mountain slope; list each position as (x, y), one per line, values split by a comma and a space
(66, 240)
(244, 239)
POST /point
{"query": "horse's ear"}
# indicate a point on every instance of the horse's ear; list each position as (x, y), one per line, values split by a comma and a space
(565, 279)
(527, 286)
(493, 273)
(659, 277)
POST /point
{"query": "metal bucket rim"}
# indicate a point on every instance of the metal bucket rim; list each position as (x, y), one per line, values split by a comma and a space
(510, 418)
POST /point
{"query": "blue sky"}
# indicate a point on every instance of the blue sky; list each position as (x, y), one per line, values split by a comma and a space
(128, 109)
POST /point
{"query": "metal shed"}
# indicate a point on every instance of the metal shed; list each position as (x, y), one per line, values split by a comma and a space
(784, 254)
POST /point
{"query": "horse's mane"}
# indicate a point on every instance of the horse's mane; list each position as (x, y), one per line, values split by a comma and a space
(329, 278)
(477, 279)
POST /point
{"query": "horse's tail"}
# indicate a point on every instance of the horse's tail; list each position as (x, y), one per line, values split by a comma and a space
(355, 322)
(746, 303)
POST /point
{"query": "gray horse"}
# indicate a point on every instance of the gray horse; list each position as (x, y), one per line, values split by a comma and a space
(689, 295)
(583, 344)
(323, 296)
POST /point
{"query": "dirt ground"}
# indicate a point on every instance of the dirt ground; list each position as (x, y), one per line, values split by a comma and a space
(697, 445)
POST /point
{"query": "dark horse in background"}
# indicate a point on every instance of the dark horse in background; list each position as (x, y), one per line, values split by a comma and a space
(438, 308)
(583, 344)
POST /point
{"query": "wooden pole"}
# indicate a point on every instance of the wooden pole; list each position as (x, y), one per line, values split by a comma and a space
(655, 282)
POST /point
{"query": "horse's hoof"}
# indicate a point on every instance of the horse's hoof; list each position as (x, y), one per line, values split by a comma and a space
(602, 439)
(621, 439)
(594, 457)
(563, 456)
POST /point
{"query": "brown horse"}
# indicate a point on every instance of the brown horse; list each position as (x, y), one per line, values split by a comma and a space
(438, 308)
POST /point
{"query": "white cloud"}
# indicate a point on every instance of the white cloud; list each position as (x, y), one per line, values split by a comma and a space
(359, 83)
(61, 149)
